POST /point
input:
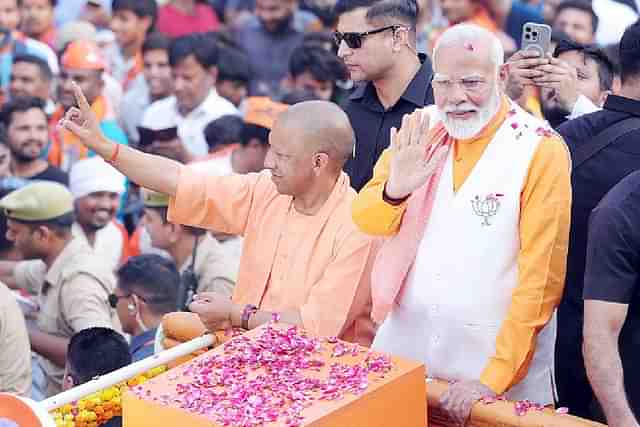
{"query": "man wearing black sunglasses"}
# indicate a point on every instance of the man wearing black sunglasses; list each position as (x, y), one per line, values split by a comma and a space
(377, 42)
(147, 289)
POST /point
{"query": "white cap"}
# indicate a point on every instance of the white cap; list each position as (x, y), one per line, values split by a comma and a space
(94, 175)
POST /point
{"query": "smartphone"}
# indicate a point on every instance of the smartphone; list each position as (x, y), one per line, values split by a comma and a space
(536, 37)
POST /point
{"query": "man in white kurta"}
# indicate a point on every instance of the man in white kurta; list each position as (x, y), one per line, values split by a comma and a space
(475, 196)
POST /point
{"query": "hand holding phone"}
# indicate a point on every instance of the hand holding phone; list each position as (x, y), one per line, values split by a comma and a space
(560, 82)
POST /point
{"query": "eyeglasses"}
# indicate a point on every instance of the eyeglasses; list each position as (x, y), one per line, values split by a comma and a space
(114, 299)
(354, 40)
(470, 84)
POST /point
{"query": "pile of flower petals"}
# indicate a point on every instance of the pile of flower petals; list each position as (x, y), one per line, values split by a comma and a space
(271, 378)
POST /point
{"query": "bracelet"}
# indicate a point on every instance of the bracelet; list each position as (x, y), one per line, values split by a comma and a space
(391, 201)
(114, 156)
(248, 311)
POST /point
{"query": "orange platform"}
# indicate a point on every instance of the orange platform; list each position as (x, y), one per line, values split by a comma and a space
(398, 399)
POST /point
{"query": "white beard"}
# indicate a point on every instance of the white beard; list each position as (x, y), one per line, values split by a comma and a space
(469, 128)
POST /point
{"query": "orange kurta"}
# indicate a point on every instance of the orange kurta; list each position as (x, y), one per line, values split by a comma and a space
(317, 264)
(545, 216)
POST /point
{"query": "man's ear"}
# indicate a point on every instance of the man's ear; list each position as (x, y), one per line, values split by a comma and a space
(41, 233)
(146, 22)
(400, 38)
(603, 97)
(320, 161)
(503, 72)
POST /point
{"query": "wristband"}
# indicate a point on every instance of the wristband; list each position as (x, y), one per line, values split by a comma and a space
(114, 156)
(393, 202)
(248, 311)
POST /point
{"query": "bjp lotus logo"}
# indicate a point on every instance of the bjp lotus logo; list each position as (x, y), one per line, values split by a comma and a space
(486, 208)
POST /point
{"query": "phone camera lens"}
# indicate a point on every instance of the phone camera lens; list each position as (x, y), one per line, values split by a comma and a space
(527, 36)
(535, 33)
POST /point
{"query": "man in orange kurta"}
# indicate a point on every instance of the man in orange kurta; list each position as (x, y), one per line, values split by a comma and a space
(303, 259)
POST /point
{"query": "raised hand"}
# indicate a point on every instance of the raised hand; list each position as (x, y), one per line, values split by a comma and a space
(414, 157)
(562, 78)
(523, 68)
(82, 122)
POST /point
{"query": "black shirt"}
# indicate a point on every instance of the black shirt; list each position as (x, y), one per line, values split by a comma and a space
(590, 182)
(52, 173)
(613, 270)
(372, 124)
(594, 178)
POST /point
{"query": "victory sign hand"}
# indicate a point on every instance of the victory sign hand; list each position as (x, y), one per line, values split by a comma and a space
(81, 121)
(414, 156)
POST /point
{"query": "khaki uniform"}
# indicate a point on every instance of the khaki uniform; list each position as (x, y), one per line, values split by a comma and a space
(73, 295)
(215, 270)
(15, 350)
(73, 292)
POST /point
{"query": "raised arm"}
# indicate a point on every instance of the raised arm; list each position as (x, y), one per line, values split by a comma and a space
(154, 172)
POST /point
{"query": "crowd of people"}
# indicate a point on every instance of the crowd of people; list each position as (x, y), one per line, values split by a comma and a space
(397, 173)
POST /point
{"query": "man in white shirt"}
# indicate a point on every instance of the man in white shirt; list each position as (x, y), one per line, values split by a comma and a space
(195, 103)
(154, 83)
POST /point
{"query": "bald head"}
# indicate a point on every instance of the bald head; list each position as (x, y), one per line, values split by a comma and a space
(323, 127)
(470, 40)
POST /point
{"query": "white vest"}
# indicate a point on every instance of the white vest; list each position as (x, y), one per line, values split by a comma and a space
(459, 289)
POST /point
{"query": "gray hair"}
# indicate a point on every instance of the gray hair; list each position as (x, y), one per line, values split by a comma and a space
(469, 33)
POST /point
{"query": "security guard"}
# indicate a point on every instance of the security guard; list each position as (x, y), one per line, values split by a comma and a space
(215, 271)
(73, 284)
(15, 358)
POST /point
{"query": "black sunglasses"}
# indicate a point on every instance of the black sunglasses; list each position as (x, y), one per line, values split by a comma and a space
(113, 299)
(354, 40)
